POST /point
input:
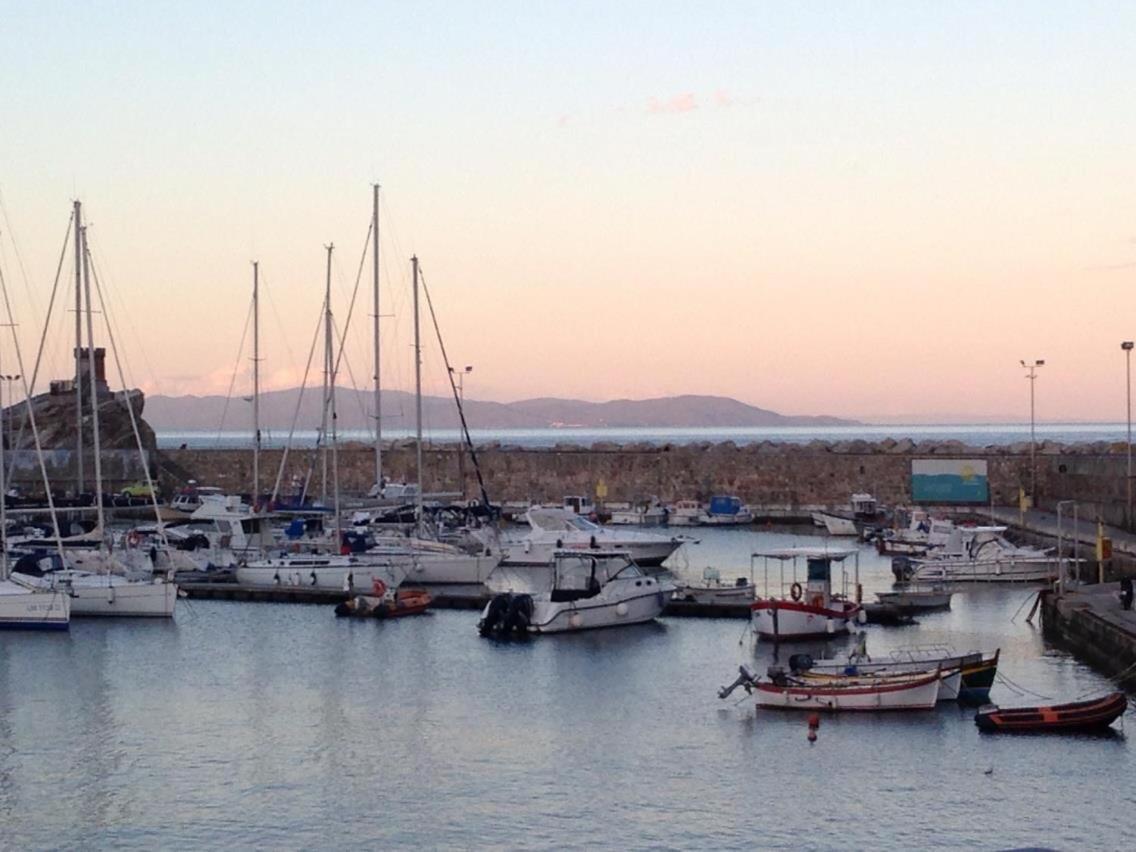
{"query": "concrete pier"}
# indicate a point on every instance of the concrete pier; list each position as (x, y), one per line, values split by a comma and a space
(1090, 622)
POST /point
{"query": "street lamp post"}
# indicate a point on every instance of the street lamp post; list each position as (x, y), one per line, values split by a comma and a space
(1127, 347)
(461, 374)
(1031, 374)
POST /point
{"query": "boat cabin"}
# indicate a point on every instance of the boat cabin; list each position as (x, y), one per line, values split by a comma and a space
(817, 589)
(725, 505)
(579, 505)
(577, 576)
(864, 505)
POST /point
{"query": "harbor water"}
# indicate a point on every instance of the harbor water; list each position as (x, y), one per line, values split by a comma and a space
(276, 725)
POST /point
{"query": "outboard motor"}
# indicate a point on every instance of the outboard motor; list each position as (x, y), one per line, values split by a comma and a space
(519, 616)
(493, 622)
(800, 662)
(745, 679)
(902, 568)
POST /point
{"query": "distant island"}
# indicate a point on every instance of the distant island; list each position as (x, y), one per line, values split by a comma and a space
(205, 413)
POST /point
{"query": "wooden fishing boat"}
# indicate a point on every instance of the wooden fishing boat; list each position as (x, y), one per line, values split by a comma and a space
(917, 600)
(912, 692)
(949, 680)
(1094, 715)
(978, 668)
(383, 604)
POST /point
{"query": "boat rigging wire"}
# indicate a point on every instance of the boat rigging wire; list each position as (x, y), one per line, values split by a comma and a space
(42, 339)
(129, 403)
(457, 397)
(296, 417)
(233, 378)
(31, 417)
(20, 259)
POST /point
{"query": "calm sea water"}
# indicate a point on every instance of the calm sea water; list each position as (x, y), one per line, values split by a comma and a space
(278, 725)
(976, 435)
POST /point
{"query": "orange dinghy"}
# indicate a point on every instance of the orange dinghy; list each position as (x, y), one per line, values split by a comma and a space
(1093, 715)
(383, 604)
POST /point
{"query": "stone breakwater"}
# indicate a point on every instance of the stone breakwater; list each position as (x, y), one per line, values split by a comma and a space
(782, 476)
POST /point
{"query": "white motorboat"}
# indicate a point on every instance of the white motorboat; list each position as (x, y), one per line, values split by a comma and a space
(684, 513)
(865, 512)
(554, 529)
(22, 608)
(810, 610)
(711, 590)
(726, 511)
(650, 513)
(435, 563)
(979, 555)
(921, 535)
(589, 590)
(917, 600)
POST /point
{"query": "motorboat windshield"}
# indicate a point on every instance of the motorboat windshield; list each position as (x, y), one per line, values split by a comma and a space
(561, 520)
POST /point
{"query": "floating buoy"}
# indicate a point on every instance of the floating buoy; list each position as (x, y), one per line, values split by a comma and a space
(812, 735)
(814, 720)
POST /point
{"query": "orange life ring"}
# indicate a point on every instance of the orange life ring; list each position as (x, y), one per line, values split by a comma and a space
(378, 587)
(795, 591)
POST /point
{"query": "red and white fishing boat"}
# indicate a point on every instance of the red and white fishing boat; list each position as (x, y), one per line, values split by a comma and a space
(810, 610)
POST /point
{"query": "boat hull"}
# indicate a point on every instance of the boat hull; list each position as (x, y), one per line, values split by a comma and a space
(786, 620)
(896, 694)
(109, 595)
(590, 614)
(335, 573)
(836, 524)
(987, 571)
(644, 554)
(1095, 715)
(459, 568)
(25, 609)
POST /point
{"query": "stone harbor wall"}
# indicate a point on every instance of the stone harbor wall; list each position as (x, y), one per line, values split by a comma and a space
(780, 476)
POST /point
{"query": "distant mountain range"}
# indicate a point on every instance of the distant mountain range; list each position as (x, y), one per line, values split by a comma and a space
(210, 413)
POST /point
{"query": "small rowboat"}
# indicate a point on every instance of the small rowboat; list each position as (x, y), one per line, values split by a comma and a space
(1093, 715)
(914, 692)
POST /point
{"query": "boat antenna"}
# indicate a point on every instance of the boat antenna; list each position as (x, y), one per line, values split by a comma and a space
(458, 402)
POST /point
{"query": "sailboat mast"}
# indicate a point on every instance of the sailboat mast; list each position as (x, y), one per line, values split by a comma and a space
(256, 383)
(417, 399)
(327, 357)
(378, 373)
(331, 364)
(94, 385)
(78, 346)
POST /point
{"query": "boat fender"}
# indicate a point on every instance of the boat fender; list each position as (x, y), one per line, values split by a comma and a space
(593, 544)
(795, 591)
(559, 543)
(313, 576)
(621, 609)
(133, 539)
(575, 620)
(276, 578)
(379, 588)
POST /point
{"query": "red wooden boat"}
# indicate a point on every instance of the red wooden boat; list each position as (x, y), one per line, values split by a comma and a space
(1096, 714)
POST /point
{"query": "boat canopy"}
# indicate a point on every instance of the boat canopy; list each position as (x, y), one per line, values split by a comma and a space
(721, 505)
(806, 553)
(559, 520)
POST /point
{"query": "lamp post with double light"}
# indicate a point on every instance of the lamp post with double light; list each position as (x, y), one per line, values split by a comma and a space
(1127, 347)
(461, 374)
(1031, 374)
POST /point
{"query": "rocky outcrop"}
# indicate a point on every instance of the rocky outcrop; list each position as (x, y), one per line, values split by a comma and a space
(55, 421)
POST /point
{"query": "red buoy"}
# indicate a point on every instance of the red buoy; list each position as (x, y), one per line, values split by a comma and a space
(814, 721)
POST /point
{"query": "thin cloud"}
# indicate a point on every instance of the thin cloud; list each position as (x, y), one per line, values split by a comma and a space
(1110, 267)
(673, 105)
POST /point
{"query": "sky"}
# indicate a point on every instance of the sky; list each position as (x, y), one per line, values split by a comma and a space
(873, 210)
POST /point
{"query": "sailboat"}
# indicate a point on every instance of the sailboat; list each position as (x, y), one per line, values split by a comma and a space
(96, 583)
(434, 562)
(22, 608)
(328, 570)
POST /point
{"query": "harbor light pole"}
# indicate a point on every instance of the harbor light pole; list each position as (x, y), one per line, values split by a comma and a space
(1127, 347)
(461, 374)
(1031, 374)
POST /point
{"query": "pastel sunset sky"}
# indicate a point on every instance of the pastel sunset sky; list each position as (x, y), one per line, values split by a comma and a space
(871, 210)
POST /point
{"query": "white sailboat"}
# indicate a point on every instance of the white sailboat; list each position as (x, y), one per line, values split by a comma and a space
(22, 608)
(108, 589)
(328, 570)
